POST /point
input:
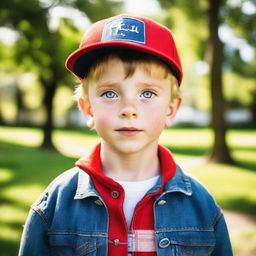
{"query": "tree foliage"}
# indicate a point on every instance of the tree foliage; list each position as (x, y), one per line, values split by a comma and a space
(215, 13)
(43, 50)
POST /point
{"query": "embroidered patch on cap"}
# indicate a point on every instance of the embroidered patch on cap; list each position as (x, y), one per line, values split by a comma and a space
(125, 29)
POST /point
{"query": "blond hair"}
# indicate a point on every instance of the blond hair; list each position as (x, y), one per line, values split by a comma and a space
(131, 60)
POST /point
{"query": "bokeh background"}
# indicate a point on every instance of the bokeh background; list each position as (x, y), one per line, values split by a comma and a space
(42, 132)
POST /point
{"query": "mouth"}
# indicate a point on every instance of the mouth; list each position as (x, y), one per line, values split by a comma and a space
(128, 130)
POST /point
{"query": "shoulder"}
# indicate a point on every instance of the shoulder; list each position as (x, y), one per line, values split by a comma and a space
(191, 196)
(199, 194)
(63, 186)
(64, 180)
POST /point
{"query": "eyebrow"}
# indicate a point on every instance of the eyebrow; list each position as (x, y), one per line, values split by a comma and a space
(151, 85)
(117, 84)
(102, 85)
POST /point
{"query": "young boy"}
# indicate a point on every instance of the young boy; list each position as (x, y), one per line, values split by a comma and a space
(129, 197)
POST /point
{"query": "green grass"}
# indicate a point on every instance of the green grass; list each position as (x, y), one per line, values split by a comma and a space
(26, 170)
(24, 174)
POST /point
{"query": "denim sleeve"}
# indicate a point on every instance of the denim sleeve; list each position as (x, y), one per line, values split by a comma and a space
(223, 245)
(34, 238)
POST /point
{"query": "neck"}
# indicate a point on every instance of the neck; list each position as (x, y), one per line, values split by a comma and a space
(130, 167)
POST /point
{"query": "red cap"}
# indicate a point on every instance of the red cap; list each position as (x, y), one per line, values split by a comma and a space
(125, 32)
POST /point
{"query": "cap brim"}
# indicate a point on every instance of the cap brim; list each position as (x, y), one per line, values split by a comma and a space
(80, 61)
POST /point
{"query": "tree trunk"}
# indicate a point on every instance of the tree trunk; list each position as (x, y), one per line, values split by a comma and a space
(220, 152)
(21, 109)
(253, 109)
(1, 117)
(48, 126)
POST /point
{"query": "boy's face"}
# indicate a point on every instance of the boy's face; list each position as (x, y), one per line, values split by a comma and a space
(129, 113)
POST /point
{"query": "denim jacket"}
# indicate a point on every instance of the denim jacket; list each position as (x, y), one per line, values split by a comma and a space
(71, 219)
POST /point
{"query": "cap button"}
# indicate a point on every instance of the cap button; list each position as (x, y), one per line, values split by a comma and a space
(115, 194)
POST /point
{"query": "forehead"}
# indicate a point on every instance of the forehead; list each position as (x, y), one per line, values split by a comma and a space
(111, 67)
(125, 65)
(115, 77)
(115, 69)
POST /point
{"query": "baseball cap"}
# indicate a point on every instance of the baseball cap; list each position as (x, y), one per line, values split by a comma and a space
(125, 31)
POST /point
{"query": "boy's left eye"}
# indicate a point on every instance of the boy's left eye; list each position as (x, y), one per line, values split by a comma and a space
(109, 95)
(148, 94)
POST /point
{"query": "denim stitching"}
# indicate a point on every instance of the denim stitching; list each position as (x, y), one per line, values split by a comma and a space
(42, 216)
(86, 248)
(189, 254)
(192, 245)
(78, 234)
(89, 251)
(85, 245)
(217, 218)
(185, 229)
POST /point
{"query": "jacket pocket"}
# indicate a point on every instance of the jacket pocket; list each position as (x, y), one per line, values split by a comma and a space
(68, 244)
(191, 250)
(188, 243)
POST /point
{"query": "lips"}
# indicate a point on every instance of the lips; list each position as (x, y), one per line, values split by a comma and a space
(128, 130)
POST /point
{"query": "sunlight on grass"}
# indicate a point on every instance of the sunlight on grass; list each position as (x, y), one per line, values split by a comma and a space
(9, 234)
(187, 137)
(11, 213)
(73, 144)
(233, 187)
(21, 136)
(25, 195)
(247, 238)
(245, 138)
(6, 175)
(248, 156)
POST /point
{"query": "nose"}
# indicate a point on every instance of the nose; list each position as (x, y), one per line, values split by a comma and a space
(128, 110)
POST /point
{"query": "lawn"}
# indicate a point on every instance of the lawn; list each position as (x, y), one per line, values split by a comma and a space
(26, 170)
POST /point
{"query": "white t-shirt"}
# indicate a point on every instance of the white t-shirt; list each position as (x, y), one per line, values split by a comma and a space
(134, 192)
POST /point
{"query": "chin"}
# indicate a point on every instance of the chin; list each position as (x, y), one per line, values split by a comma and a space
(130, 147)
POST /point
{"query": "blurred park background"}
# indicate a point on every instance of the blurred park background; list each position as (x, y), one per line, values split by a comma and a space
(42, 132)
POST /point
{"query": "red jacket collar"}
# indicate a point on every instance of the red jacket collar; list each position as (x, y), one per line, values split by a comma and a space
(92, 165)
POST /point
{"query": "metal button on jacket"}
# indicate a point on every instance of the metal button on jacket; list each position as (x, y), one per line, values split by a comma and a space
(98, 202)
(164, 243)
(116, 242)
(115, 194)
(161, 202)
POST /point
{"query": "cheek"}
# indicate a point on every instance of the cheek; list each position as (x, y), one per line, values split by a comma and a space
(102, 120)
(155, 118)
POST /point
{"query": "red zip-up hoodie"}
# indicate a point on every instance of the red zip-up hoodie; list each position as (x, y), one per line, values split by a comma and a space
(142, 225)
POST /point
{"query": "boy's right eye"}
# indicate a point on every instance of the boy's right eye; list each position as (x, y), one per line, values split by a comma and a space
(109, 95)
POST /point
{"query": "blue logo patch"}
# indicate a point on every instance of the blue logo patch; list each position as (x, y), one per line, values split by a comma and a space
(125, 29)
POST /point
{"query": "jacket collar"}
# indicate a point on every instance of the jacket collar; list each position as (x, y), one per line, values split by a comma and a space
(179, 183)
(172, 178)
(85, 187)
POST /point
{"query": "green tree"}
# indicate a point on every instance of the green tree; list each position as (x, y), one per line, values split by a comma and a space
(215, 13)
(220, 151)
(243, 23)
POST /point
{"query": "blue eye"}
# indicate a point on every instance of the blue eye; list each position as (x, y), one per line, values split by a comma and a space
(148, 94)
(109, 95)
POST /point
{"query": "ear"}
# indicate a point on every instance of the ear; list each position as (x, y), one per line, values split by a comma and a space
(172, 111)
(85, 106)
(87, 110)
